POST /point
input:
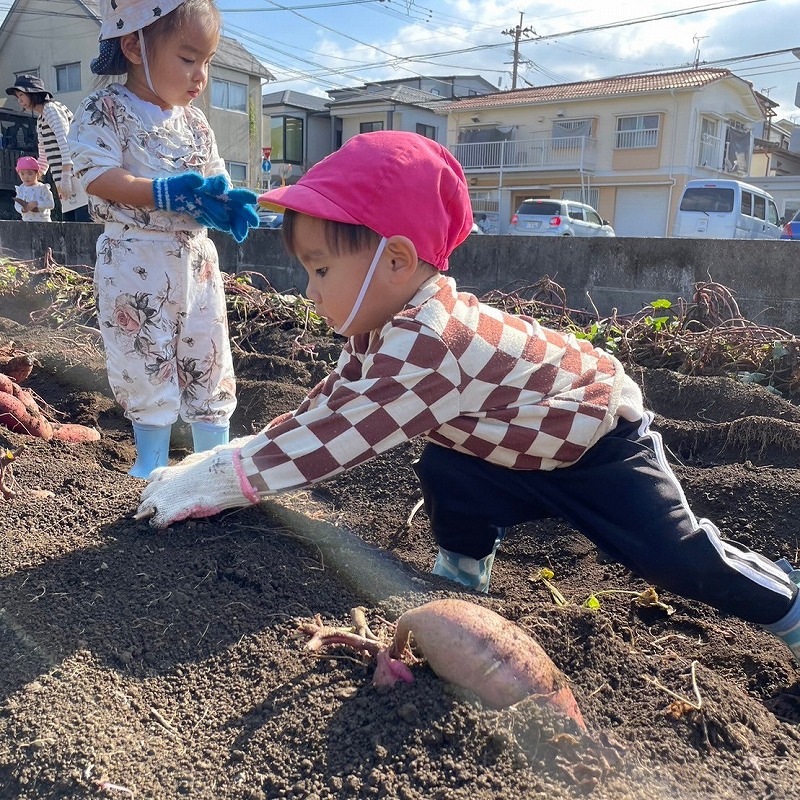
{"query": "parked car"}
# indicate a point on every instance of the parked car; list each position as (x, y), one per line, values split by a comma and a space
(543, 217)
(476, 229)
(791, 230)
(726, 209)
(270, 219)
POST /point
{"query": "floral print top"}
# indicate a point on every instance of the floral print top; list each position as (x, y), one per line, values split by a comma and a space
(115, 129)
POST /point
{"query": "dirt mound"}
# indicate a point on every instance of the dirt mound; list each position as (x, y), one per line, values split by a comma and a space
(168, 665)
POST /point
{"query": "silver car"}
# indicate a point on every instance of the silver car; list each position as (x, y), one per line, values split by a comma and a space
(543, 217)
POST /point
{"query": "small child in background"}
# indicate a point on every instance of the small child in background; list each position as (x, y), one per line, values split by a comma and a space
(149, 162)
(33, 199)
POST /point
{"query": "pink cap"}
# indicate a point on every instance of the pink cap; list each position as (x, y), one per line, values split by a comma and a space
(393, 182)
(27, 162)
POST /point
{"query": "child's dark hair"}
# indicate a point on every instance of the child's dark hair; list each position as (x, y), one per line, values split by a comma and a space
(341, 237)
(38, 98)
(205, 11)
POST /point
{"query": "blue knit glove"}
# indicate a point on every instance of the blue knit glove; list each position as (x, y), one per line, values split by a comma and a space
(210, 201)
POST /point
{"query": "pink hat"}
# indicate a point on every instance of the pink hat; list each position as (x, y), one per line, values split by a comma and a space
(27, 162)
(393, 182)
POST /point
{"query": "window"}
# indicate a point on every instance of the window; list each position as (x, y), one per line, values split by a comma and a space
(575, 212)
(428, 131)
(589, 196)
(759, 206)
(368, 127)
(565, 128)
(286, 138)
(637, 132)
(747, 203)
(710, 150)
(710, 198)
(68, 77)
(772, 213)
(229, 95)
(592, 216)
(237, 171)
(790, 208)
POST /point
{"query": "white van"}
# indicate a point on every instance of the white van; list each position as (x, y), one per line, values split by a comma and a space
(726, 209)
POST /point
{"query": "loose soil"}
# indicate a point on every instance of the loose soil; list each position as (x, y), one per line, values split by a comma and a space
(147, 664)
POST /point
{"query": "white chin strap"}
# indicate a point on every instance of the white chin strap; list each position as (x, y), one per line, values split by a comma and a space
(341, 330)
(144, 63)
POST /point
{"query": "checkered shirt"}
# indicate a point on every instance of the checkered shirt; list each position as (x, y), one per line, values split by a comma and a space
(463, 375)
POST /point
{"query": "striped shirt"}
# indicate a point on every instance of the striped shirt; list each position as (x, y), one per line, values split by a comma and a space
(461, 374)
(52, 127)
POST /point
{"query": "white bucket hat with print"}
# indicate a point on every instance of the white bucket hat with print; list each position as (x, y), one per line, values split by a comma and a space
(120, 17)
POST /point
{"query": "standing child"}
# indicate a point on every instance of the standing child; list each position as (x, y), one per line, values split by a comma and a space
(52, 124)
(522, 422)
(149, 161)
(33, 199)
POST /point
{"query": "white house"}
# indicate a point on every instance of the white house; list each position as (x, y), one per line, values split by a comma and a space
(57, 39)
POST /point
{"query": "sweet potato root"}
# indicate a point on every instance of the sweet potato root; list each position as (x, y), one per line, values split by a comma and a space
(70, 432)
(465, 644)
(18, 368)
(23, 417)
(473, 647)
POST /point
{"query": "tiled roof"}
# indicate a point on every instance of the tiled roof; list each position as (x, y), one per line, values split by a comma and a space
(396, 94)
(602, 87)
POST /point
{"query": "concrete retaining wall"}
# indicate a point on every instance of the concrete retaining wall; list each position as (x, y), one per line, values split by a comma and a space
(621, 273)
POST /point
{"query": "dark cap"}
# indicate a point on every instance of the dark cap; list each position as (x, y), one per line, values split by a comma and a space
(29, 84)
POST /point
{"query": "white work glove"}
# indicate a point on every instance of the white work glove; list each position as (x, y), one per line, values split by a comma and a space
(202, 485)
(66, 188)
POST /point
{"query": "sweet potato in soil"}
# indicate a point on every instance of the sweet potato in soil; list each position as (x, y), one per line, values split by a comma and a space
(167, 663)
(479, 650)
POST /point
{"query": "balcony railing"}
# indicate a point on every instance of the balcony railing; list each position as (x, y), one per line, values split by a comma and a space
(567, 152)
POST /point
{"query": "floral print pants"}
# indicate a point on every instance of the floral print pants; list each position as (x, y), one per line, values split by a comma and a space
(161, 308)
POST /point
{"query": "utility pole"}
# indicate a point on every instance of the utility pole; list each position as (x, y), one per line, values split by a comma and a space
(517, 32)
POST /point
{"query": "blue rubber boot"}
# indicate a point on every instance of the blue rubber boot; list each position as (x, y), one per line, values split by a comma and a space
(788, 628)
(472, 572)
(152, 448)
(206, 436)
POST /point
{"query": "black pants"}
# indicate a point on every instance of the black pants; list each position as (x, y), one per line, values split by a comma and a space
(77, 215)
(624, 496)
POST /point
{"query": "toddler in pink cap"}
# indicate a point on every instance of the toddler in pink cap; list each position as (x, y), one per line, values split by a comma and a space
(33, 199)
(521, 422)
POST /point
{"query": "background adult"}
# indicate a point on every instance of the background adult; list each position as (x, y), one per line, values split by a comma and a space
(52, 124)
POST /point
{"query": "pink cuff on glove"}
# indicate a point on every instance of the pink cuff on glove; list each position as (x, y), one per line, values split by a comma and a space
(247, 490)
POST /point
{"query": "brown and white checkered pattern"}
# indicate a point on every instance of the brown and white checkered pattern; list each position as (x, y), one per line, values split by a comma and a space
(458, 372)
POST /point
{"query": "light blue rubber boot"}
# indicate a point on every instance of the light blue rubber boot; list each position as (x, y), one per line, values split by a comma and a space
(788, 628)
(152, 448)
(472, 572)
(206, 436)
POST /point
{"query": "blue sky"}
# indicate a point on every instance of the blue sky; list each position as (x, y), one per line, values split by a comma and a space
(315, 45)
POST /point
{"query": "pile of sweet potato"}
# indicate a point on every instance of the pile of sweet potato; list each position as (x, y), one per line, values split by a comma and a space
(20, 411)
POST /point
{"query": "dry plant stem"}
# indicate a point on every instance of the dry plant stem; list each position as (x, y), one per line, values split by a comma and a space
(417, 506)
(697, 706)
(107, 786)
(8, 484)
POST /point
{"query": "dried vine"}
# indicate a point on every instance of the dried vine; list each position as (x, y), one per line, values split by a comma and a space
(706, 336)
